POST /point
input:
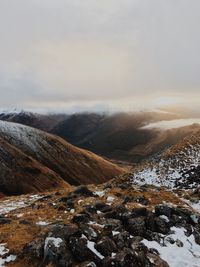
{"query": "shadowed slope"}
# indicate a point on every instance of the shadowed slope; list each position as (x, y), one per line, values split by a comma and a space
(21, 174)
(74, 165)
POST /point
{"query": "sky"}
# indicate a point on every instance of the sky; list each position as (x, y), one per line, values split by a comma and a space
(74, 55)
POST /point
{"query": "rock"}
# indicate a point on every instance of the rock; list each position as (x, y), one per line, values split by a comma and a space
(89, 232)
(142, 200)
(163, 210)
(63, 199)
(161, 226)
(113, 225)
(124, 185)
(64, 231)
(120, 213)
(35, 248)
(80, 249)
(177, 220)
(107, 186)
(56, 252)
(184, 214)
(122, 239)
(141, 252)
(157, 261)
(197, 236)
(90, 209)
(127, 199)
(136, 226)
(81, 218)
(106, 246)
(99, 205)
(70, 203)
(150, 223)
(4, 220)
(127, 258)
(138, 212)
(83, 190)
(86, 264)
(179, 243)
(109, 262)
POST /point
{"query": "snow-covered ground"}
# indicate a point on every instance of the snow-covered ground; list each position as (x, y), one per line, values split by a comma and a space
(21, 135)
(195, 205)
(7, 206)
(177, 249)
(4, 255)
(20, 202)
(167, 171)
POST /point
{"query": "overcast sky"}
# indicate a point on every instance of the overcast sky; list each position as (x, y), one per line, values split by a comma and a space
(99, 54)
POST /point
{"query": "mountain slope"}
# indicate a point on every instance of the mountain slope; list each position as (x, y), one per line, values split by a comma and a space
(178, 166)
(21, 174)
(74, 165)
(36, 120)
(123, 136)
(108, 225)
(118, 136)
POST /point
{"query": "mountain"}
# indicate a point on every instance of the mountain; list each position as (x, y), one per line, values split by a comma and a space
(177, 167)
(36, 120)
(27, 151)
(119, 136)
(20, 174)
(147, 218)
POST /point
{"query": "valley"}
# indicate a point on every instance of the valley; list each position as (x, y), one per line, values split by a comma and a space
(63, 206)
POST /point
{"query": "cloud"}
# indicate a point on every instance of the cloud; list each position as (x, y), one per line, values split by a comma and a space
(109, 53)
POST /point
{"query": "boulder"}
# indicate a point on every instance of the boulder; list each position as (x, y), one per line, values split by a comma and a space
(106, 246)
(136, 226)
(163, 210)
(83, 190)
(80, 248)
(63, 231)
(81, 218)
(57, 252)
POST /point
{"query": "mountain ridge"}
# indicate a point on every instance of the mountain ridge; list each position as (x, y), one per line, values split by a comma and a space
(65, 161)
(178, 166)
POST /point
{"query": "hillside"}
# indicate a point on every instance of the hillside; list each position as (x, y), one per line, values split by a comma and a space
(36, 120)
(118, 137)
(27, 151)
(113, 224)
(149, 218)
(21, 174)
(178, 166)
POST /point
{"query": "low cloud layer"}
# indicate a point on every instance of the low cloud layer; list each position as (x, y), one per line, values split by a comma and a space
(108, 54)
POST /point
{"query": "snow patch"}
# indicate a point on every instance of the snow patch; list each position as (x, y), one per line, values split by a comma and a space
(172, 171)
(3, 252)
(52, 240)
(100, 193)
(110, 199)
(115, 233)
(174, 254)
(91, 247)
(41, 223)
(9, 205)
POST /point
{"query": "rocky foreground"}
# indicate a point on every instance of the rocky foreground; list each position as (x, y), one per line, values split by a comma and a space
(114, 224)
